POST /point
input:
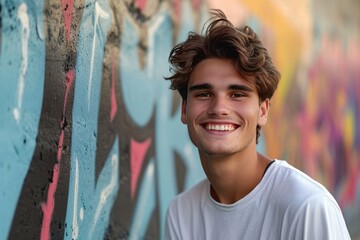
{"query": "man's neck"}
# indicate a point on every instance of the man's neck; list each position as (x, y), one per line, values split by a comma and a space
(233, 177)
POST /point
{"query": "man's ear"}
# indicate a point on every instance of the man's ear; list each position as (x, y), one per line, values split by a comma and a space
(183, 112)
(263, 112)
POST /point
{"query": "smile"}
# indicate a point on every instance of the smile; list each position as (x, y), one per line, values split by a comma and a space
(220, 127)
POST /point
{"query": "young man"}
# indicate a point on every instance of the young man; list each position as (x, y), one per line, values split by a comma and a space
(226, 80)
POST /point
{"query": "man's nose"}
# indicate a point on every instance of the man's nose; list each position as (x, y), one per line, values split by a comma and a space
(219, 106)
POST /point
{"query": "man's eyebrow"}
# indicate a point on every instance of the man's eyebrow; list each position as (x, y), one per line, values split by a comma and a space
(205, 86)
(240, 87)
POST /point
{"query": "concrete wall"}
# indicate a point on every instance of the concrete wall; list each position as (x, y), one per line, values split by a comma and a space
(91, 143)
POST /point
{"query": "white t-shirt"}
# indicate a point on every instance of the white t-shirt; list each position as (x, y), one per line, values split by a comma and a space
(286, 205)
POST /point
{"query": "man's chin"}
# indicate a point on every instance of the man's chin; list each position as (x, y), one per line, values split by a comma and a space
(213, 152)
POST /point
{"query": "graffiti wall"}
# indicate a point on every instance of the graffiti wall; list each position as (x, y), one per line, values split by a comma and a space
(91, 143)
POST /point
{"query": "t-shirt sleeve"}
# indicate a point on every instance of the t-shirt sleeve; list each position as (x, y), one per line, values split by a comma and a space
(319, 218)
(169, 230)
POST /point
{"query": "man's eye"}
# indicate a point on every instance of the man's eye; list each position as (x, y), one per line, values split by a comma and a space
(237, 95)
(203, 95)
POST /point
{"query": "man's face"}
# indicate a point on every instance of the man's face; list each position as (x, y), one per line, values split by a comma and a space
(222, 109)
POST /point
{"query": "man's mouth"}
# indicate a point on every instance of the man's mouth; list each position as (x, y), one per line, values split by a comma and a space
(220, 127)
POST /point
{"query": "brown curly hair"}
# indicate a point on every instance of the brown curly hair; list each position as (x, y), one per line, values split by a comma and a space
(223, 40)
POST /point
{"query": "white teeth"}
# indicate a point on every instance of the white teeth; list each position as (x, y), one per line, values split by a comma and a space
(220, 127)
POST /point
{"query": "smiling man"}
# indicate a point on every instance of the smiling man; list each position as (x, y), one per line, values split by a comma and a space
(226, 80)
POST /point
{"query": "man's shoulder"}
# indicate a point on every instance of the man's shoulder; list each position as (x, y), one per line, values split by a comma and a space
(194, 194)
(305, 204)
(296, 187)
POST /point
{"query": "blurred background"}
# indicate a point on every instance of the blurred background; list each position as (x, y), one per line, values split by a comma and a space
(91, 143)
